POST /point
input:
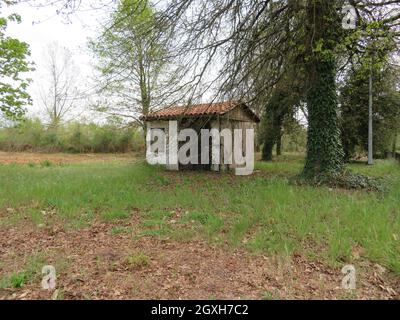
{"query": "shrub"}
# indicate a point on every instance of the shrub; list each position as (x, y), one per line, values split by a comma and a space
(32, 135)
(346, 180)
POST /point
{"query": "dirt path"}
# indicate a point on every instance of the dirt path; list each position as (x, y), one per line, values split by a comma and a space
(60, 158)
(93, 263)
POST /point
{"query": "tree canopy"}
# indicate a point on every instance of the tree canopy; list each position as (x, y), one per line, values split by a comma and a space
(14, 64)
(131, 53)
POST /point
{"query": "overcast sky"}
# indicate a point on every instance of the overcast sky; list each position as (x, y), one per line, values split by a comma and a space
(40, 26)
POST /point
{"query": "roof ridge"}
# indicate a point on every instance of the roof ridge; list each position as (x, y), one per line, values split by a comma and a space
(200, 109)
(204, 104)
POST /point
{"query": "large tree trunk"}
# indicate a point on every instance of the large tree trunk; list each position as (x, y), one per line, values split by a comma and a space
(268, 146)
(271, 133)
(324, 148)
(272, 122)
(279, 143)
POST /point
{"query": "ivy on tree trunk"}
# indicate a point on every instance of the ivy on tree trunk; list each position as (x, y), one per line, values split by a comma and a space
(324, 148)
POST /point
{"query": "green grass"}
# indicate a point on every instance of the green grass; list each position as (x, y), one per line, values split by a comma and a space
(46, 163)
(270, 296)
(263, 213)
(138, 260)
(120, 230)
(115, 215)
(18, 279)
(207, 223)
(30, 272)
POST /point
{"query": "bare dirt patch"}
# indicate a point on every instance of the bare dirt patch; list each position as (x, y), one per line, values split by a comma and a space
(60, 158)
(92, 264)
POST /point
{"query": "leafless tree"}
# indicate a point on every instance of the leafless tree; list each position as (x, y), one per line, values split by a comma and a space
(59, 89)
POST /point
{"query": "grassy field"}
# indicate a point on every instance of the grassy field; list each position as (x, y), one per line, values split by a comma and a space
(264, 215)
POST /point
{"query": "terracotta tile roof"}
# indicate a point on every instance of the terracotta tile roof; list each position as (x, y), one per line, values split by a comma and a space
(197, 110)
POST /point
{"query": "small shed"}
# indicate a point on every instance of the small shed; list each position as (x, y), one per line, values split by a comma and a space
(223, 115)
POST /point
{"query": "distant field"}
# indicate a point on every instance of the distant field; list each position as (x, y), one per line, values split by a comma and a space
(61, 158)
(115, 227)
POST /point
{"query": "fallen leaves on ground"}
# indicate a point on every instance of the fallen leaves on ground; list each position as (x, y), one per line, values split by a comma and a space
(91, 264)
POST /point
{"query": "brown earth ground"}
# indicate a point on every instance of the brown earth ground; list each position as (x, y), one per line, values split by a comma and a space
(93, 263)
(59, 158)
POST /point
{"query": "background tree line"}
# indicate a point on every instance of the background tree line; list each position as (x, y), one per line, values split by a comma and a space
(75, 137)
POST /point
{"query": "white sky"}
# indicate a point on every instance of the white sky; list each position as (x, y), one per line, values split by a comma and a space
(40, 26)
